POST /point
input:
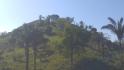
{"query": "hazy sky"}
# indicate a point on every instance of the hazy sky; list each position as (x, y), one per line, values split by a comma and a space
(14, 13)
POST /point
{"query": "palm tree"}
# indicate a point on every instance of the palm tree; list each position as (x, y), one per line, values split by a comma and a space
(26, 56)
(21, 38)
(117, 28)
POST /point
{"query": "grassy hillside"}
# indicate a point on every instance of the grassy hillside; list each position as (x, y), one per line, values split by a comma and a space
(56, 43)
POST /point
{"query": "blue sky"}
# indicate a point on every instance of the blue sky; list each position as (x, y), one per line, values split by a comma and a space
(14, 13)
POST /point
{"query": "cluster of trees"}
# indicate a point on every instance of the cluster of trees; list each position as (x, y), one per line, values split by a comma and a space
(57, 43)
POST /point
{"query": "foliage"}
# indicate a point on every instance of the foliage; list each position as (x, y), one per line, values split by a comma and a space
(57, 43)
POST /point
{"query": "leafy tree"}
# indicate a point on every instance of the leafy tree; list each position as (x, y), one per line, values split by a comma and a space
(21, 37)
(68, 37)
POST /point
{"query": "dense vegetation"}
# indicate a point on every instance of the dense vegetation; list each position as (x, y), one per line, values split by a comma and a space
(57, 43)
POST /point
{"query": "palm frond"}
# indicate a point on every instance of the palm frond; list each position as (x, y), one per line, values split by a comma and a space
(112, 21)
(123, 28)
(109, 26)
(121, 20)
(116, 27)
(119, 27)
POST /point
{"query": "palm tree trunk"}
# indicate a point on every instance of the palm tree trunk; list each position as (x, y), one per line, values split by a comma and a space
(120, 43)
(71, 57)
(34, 52)
(103, 50)
(26, 57)
(121, 51)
